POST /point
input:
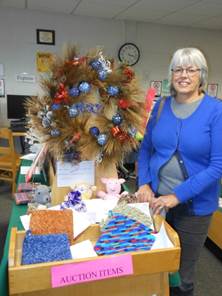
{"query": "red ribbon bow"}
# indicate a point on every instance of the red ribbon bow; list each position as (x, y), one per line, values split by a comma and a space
(119, 134)
(62, 95)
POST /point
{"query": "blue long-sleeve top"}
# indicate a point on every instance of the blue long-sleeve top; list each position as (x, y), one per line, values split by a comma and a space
(198, 138)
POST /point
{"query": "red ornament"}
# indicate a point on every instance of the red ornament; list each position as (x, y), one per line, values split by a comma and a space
(61, 96)
(76, 61)
(115, 131)
(128, 72)
(122, 137)
(119, 134)
(76, 137)
(123, 104)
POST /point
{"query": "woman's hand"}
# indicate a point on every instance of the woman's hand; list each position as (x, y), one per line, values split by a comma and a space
(145, 193)
(164, 201)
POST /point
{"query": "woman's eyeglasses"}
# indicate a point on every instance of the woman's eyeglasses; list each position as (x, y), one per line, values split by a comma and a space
(189, 71)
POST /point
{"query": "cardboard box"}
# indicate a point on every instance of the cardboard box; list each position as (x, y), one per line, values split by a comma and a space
(150, 271)
(58, 193)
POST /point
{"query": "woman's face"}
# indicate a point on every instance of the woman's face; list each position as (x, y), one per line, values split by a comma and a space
(186, 80)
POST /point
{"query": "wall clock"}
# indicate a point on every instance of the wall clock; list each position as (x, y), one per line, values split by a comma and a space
(129, 54)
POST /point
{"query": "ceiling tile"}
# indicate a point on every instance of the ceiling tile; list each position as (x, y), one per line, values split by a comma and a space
(206, 9)
(63, 6)
(103, 8)
(210, 23)
(189, 13)
(153, 9)
(180, 20)
(13, 3)
(211, 2)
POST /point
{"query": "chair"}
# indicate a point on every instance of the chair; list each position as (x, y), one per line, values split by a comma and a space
(9, 159)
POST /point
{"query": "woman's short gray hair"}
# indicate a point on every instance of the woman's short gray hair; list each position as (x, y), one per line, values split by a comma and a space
(189, 57)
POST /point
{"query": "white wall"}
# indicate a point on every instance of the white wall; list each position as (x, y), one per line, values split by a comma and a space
(157, 43)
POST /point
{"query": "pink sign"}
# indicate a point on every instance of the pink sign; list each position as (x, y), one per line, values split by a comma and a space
(76, 273)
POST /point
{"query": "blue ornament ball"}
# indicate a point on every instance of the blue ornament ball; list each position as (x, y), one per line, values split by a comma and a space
(84, 87)
(95, 64)
(102, 139)
(117, 119)
(74, 91)
(49, 115)
(73, 111)
(46, 122)
(80, 106)
(102, 75)
(94, 131)
(55, 132)
(55, 107)
(113, 90)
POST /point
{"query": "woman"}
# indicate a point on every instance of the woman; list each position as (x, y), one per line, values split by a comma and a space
(180, 159)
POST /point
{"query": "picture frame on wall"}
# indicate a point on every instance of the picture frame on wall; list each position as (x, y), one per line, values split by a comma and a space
(157, 85)
(2, 88)
(165, 88)
(212, 89)
(46, 37)
(44, 61)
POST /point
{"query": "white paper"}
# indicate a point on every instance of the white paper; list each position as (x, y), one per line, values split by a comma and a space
(25, 219)
(220, 202)
(30, 156)
(145, 209)
(142, 206)
(80, 223)
(83, 249)
(24, 170)
(162, 239)
(69, 173)
(97, 209)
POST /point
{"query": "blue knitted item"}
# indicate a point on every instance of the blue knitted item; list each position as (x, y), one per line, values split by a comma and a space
(122, 234)
(45, 248)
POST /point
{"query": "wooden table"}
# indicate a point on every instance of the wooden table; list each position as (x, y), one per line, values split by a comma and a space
(16, 133)
(214, 232)
(14, 221)
(150, 269)
(19, 134)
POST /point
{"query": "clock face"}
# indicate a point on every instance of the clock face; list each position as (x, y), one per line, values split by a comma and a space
(129, 54)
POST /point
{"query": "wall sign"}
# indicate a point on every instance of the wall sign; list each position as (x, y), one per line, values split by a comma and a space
(25, 78)
(212, 89)
(165, 87)
(157, 85)
(2, 87)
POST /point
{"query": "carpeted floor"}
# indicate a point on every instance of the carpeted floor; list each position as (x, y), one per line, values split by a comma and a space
(209, 269)
(209, 273)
